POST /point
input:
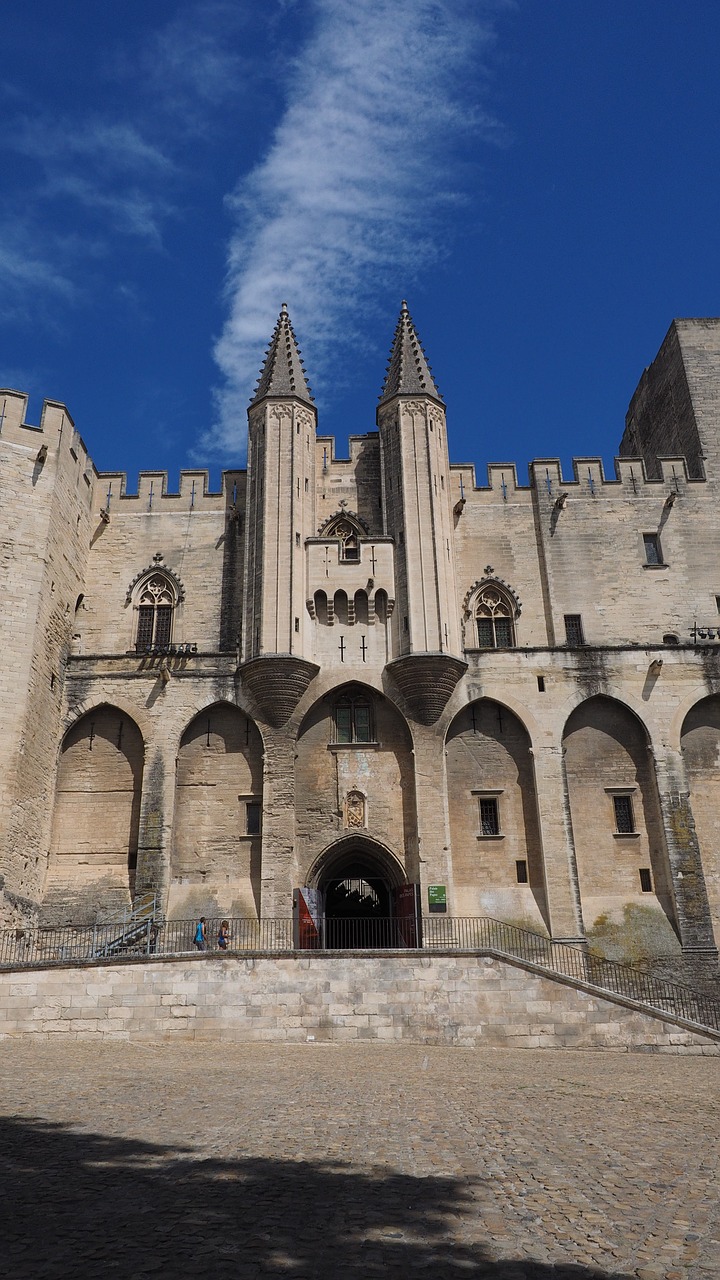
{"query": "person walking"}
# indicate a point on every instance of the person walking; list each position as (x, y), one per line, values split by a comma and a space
(200, 939)
(223, 935)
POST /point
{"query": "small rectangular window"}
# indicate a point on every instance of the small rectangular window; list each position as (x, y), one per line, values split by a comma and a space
(574, 629)
(489, 820)
(624, 821)
(541, 684)
(521, 871)
(653, 554)
(297, 624)
(252, 818)
(297, 539)
(645, 880)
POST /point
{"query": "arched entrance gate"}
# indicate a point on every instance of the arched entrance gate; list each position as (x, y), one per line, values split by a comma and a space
(357, 897)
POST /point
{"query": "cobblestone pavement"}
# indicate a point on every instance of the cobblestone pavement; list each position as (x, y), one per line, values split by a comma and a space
(358, 1161)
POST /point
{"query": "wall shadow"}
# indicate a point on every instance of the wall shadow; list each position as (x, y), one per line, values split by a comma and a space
(88, 1204)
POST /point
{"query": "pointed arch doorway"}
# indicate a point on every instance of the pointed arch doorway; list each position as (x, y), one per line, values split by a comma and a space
(358, 897)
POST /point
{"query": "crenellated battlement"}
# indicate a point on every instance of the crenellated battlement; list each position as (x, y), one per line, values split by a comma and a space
(588, 477)
(153, 492)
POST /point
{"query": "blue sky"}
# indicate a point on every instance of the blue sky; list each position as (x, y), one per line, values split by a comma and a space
(539, 178)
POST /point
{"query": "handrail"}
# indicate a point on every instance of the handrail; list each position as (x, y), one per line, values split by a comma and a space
(152, 937)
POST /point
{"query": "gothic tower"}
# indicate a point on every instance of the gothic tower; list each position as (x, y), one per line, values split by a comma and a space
(419, 516)
(280, 515)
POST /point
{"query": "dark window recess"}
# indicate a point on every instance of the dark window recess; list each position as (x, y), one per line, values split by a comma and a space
(252, 818)
(624, 822)
(541, 684)
(494, 633)
(353, 721)
(574, 629)
(146, 615)
(489, 821)
(297, 624)
(645, 880)
(671, 638)
(521, 871)
(653, 554)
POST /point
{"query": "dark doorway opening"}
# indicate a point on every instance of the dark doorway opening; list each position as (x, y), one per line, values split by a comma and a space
(358, 906)
(358, 911)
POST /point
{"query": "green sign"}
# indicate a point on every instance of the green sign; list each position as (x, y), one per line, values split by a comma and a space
(437, 897)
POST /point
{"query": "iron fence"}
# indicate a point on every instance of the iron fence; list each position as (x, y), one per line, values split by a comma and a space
(153, 937)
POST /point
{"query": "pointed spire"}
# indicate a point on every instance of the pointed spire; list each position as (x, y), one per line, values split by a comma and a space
(283, 373)
(408, 372)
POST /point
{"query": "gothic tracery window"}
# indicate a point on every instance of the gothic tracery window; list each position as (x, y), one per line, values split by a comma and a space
(494, 615)
(348, 534)
(156, 602)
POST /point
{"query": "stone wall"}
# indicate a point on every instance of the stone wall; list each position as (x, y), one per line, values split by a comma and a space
(467, 1001)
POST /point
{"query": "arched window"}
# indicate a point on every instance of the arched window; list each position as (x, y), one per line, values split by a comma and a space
(321, 607)
(348, 533)
(353, 719)
(156, 602)
(494, 614)
(341, 607)
(361, 607)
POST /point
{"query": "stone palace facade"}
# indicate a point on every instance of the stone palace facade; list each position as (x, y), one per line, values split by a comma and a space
(356, 674)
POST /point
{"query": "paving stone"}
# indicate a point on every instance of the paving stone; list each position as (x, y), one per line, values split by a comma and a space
(356, 1161)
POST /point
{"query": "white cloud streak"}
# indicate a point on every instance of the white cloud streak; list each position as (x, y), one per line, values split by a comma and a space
(351, 187)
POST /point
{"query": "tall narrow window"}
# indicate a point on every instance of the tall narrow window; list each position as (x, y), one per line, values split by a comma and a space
(574, 630)
(253, 814)
(624, 818)
(155, 612)
(653, 553)
(489, 817)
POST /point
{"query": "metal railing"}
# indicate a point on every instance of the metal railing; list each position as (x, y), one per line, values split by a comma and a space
(152, 937)
(482, 933)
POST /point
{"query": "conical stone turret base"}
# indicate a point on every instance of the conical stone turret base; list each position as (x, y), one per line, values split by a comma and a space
(276, 682)
(426, 682)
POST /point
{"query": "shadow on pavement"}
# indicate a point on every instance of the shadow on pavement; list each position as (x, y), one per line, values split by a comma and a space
(79, 1204)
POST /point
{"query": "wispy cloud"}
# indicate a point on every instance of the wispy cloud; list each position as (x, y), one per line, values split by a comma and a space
(29, 280)
(350, 189)
(89, 180)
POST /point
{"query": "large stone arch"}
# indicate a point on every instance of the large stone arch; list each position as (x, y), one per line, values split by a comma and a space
(700, 745)
(343, 855)
(619, 838)
(96, 818)
(357, 879)
(359, 788)
(489, 768)
(217, 827)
